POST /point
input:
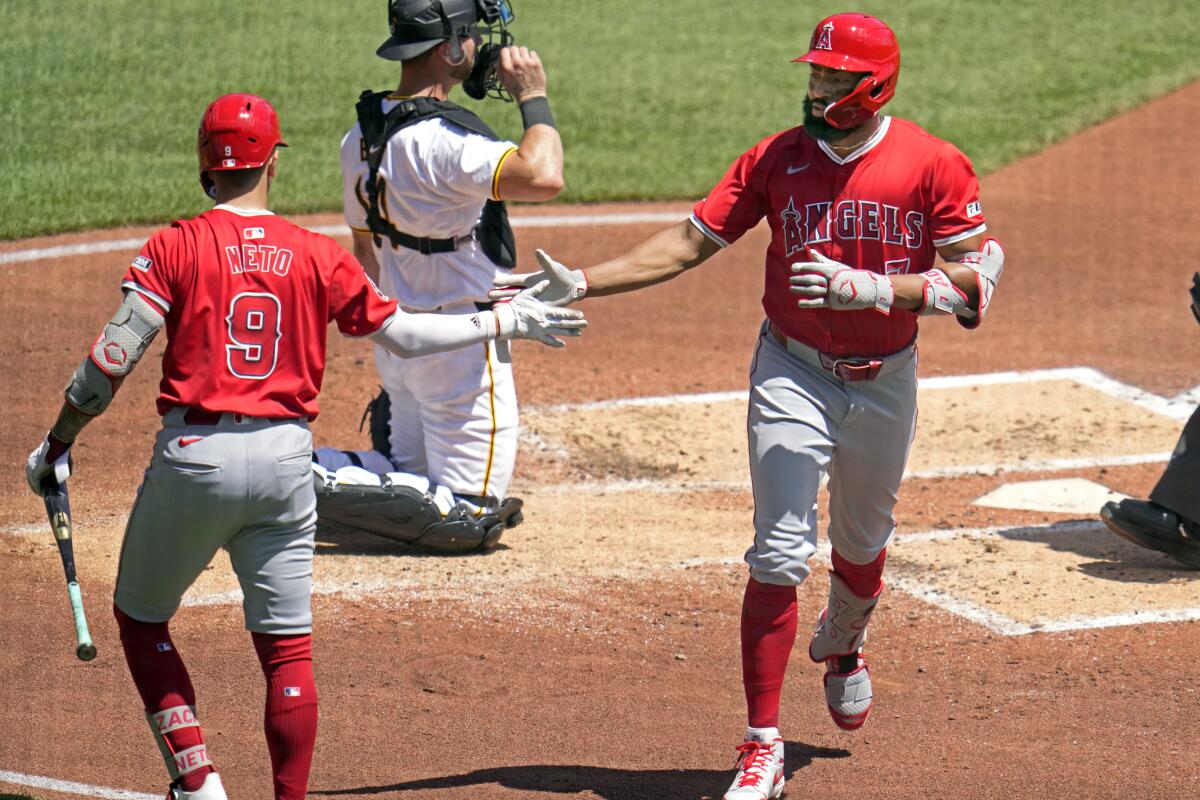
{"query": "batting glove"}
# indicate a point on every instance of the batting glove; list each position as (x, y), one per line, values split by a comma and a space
(528, 317)
(563, 286)
(825, 283)
(51, 458)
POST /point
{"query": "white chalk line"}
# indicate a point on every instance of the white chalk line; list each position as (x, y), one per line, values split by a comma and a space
(988, 618)
(532, 221)
(1179, 407)
(71, 787)
(659, 486)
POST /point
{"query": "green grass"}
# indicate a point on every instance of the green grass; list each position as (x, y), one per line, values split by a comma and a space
(102, 99)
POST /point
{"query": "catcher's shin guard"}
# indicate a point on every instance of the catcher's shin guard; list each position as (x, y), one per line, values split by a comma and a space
(405, 514)
(838, 641)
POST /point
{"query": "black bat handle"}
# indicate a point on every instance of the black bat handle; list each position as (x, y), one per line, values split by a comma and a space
(58, 509)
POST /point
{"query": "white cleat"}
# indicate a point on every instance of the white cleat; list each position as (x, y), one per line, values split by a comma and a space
(211, 789)
(760, 769)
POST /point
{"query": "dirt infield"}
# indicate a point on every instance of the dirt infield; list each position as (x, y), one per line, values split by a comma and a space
(1020, 651)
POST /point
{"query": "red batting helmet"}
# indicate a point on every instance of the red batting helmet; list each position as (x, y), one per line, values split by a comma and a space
(237, 131)
(856, 43)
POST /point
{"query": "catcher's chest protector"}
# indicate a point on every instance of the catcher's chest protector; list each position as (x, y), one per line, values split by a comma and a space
(494, 231)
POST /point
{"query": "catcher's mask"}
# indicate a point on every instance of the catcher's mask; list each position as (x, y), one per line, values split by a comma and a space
(420, 25)
(856, 43)
(237, 131)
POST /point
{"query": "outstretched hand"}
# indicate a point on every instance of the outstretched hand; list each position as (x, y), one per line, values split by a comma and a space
(563, 286)
(528, 316)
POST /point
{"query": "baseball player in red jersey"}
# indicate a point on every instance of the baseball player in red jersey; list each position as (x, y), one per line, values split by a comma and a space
(860, 205)
(246, 298)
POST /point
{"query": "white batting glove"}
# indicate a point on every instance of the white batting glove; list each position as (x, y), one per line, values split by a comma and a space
(528, 317)
(825, 283)
(38, 468)
(564, 286)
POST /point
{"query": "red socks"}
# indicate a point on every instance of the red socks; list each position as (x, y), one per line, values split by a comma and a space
(290, 718)
(167, 695)
(768, 632)
(865, 580)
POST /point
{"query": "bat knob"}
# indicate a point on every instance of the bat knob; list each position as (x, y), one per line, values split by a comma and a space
(85, 652)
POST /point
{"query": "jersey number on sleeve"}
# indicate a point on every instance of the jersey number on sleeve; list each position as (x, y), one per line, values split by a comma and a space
(254, 334)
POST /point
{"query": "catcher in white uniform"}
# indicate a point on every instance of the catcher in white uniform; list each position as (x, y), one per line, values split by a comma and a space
(424, 180)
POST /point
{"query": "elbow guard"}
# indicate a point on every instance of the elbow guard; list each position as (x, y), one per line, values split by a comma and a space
(114, 354)
(988, 264)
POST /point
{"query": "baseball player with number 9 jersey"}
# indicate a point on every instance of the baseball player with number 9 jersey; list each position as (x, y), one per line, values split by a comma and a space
(860, 206)
(246, 298)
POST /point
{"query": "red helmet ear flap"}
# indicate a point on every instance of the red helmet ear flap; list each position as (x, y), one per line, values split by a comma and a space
(862, 103)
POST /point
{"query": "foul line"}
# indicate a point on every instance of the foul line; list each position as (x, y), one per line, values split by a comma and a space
(542, 221)
(70, 787)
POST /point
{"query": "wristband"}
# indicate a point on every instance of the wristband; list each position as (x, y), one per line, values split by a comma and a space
(536, 111)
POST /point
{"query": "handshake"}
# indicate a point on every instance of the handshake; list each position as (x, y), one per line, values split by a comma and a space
(556, 285)
(532, 305)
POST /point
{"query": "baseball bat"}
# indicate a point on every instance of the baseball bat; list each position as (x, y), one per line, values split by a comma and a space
(58, 509)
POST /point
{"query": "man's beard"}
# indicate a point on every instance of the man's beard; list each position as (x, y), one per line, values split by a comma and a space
(818, 128)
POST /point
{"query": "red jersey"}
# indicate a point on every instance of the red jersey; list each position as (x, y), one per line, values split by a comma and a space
(247, 299)
(885, 208)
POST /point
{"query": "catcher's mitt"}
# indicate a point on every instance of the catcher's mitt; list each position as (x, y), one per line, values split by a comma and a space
(1195, 292)
(377, 416)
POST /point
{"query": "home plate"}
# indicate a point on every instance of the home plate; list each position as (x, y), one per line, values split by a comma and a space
(1063, 496)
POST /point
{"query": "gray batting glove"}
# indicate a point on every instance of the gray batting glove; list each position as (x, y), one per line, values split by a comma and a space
(528, 317)
(825, 283)
(564, 286)
(37, 468)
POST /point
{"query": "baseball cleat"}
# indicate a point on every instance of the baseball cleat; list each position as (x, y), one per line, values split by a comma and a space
(759, 769)
(1149, 525)
(848, 690)
(211, 789)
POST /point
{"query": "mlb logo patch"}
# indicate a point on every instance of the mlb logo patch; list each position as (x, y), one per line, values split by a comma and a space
(163, 647)
(291, 691)
(142, 263)
(229, 162)
(974, 209)
(254, 233)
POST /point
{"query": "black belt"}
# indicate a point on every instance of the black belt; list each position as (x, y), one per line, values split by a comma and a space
(199, 416)
(426, 246)
(202, 416)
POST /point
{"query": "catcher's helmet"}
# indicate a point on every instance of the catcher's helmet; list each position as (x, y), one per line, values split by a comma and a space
(418, 25)
(856, 43)
(237, 131)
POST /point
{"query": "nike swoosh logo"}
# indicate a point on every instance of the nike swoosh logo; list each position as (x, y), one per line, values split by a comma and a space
(793, 170)
(184, 441)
